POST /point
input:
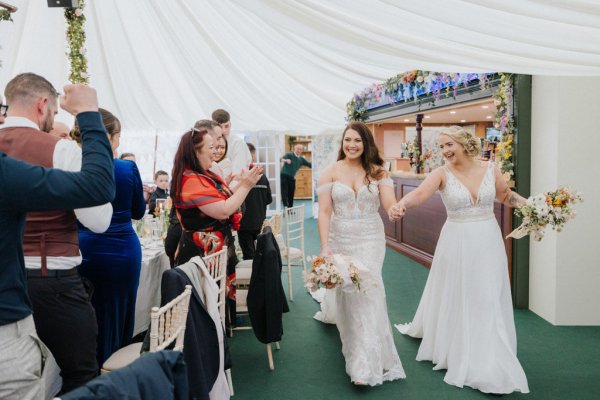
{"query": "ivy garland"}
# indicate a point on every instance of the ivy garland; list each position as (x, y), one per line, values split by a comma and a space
(76, 41)
(5, 15)
(503, 100)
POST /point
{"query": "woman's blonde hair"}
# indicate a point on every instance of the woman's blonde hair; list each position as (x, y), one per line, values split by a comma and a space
(460, 135)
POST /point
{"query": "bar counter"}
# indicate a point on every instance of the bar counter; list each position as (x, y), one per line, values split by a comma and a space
(417, 233)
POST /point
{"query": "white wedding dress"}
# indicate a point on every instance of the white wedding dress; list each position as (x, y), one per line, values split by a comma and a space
(356, 230)
(465, 316)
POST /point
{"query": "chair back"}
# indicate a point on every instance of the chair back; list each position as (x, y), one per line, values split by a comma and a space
(294, 224)
(167, 324)
(217, 267)
(274, 222)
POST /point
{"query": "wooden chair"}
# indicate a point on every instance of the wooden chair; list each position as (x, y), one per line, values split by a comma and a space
(217, 267)
(294, 233)
(167, 325)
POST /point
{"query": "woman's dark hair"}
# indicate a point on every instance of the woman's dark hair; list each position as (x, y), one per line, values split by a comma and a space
(226, 149)
(370, 159)
(185, 157)
(110, 122)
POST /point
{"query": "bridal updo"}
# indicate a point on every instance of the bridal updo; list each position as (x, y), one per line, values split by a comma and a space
(463, 137)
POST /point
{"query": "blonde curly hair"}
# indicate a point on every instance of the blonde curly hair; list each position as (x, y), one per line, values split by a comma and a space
(471, 144)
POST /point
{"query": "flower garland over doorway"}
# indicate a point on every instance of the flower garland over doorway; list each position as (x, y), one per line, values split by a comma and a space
(413, 84)
(76, 42)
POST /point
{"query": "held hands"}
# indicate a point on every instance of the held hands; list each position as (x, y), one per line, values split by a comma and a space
(250, 178)
(287, 161)
(79, 98)
(397, 211)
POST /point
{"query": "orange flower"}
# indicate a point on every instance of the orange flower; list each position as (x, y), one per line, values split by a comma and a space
(548, 200)
(557, 202)
(318, 261)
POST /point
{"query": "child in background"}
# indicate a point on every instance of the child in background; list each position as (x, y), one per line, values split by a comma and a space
(161, 180)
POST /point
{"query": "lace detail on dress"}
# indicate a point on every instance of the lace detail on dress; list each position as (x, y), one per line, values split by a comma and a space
(350, 204)
(356, 230)
(458, 200)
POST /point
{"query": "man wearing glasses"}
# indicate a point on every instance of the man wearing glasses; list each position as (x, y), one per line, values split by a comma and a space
(33, 188)
(3, 111)
(62, 311)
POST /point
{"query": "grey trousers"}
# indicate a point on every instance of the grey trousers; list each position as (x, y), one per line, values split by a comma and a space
(22, 358)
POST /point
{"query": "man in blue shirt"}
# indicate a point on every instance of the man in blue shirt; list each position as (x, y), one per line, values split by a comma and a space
(33, 188)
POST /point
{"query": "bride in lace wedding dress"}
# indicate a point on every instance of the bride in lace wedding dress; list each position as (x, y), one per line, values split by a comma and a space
(351, 190)
(465, 317)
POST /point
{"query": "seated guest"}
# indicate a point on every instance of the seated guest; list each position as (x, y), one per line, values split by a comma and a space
(23, 355)
(50, 240)
(161, 180)
(127, 156)
(205, 205)
(61, 131)
(112, 260)
(255, 212)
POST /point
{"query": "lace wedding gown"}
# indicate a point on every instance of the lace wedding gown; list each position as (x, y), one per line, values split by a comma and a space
(356, 230)
(465, 316)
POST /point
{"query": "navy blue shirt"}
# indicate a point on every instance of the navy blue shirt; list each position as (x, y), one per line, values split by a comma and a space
(26, 187)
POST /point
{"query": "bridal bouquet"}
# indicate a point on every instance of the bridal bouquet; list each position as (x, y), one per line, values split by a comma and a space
(549, 208)
(336, 270)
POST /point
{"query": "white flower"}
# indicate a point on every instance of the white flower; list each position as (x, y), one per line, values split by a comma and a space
(79, 12)
(420, 78)
(82, 50)
(84, 75)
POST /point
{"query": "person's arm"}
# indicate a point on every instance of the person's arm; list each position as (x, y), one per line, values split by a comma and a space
(420, 195)
(35, 188)
(223, 209)
(504, 194)
(304, 161)
(67, 156)
(286, 158)
(324, 185)
(138, 203)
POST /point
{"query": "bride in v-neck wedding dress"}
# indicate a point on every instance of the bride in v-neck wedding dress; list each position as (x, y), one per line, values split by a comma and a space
(349, 224)
(465, 316)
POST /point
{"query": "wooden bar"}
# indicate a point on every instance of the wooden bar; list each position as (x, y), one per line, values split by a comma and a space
(417, 233)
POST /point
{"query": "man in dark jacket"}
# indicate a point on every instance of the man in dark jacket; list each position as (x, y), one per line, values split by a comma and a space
(34, 188)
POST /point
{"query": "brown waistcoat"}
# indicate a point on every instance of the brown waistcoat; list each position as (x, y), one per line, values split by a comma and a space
(50, 233)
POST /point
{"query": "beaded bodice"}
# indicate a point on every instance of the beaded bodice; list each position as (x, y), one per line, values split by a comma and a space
(350, 204)
(461, 206)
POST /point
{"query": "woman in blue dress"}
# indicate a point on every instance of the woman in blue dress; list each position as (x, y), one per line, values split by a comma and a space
(112, 260)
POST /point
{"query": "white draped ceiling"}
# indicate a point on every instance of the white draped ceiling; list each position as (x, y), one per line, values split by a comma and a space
(290, 65)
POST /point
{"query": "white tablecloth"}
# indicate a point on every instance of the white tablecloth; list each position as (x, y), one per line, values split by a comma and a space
(154, 263)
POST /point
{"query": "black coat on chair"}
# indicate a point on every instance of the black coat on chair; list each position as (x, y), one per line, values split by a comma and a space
(201, 343)
(266, 298)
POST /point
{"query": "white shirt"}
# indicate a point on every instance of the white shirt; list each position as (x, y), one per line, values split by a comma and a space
(238, 153)
(66, 156)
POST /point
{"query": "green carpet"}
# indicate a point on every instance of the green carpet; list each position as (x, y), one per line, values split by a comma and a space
(560, 362)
